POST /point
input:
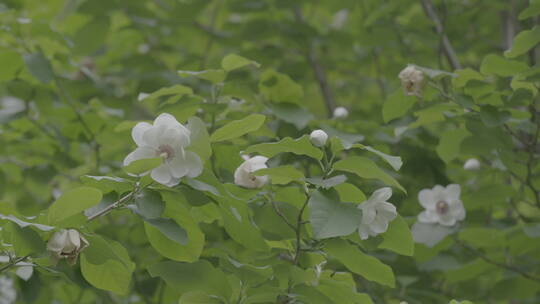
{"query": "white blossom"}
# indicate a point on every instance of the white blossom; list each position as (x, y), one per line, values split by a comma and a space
(8, 294)
(10, 106)
(341, 113)
(472, 164)
(166, 138)
(443, 205)
(376, 213)
(412, 81)
(339, 19)
(66, 244)
(318, 138)
(243, 176)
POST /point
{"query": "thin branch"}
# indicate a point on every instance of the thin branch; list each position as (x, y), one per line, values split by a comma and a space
(318, 70)
(298, 231)
(498, 264)
(13, 263)
(445, 42)
(210, 29)
(280, 214)
(112, 206)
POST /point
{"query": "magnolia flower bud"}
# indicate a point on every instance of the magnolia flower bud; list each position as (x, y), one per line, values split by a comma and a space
(472, 164)
(412, 80)
(318, 138)
(66, 244)
(341, 113)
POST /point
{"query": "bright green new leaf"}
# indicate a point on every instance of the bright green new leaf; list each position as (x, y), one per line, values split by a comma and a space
(278, 87)
(238, 128)
(299, 146)
(500, 66)
(360, 263)
(281, 175)
(175, 90)
(233, 62)
(73, 202)
(330, 218)
(523, 42)
(141, 166)
(366, 168)
(398, 237)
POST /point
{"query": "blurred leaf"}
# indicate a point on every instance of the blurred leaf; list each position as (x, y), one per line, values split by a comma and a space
(299, 146)
(141, 166)
(278, 87)
(492, 117)
(500, 66)
(281, 175)
(200, 140)
(430, 234)
(39, 67)
(398, 237)
(25, 240)
(292, 113)
(214, 76)
(397, 105)
(233, 62)
(523, 42)
(450, 143)
(11, 64)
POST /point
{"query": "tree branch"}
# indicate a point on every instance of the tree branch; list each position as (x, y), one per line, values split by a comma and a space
(112, 206)
(445, 42)
(13, 263)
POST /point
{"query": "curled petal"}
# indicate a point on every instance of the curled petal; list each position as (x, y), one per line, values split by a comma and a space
(138, 131)
(428, 217)
(162, 174)
(139, 153)
(381, 195)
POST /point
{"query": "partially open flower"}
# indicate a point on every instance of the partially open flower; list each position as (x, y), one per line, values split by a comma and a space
(318, 138)
(412, 81)
(376, 213)
(243, 176)
(66, 244)
(472, 164)
(442, 205)
(166, 138)
(341, 113)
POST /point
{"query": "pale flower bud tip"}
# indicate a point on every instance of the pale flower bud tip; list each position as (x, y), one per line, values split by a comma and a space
(472, 164)
(341, 112)
(318, 138)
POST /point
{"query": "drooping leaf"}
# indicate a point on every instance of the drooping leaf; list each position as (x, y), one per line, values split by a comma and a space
(523, 42)
(213, 75)
(141, 166)
(330, 218)
(300, 146)
(233, 62)
(238, 128)
(281, 175)
(398, 237)
(72, 202)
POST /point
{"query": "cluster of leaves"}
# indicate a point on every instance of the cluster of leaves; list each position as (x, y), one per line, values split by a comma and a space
(87, 72)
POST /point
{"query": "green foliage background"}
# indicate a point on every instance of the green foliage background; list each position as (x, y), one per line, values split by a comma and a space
(259, 76)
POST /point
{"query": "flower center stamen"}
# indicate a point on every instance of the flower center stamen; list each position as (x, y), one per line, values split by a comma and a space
(166, 152)
(442, 207)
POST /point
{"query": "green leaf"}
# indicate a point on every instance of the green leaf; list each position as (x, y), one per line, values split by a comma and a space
(300, 146)
(292, 113)
(497, 65)
(198, 297)
(366, 168)
(347, 139)
(327, 183)
(531, 11)
(434, 74)
(330, 218)
(214, 76)
(107, 183)
(233, 62)
(200, 140)
(238, 128)
(91, 37)
(106, 265)
(73, 202)
(523, 42)
(177, 90)
(398, 237)
(149, 204)
(350, 193)
(394, 161)
(397, 105)
(12, 62)
(141, 166)
(282, 175)
(278, 87)
(25, 240)
(450, 143)
(360, 263)
(191, 277)
(492, 117)
(167, 246)
(170, 229)
(39, 67)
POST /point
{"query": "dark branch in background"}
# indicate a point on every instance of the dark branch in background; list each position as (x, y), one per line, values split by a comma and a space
(498, 264)
(318, 70)
(445, 42)
(508, 22)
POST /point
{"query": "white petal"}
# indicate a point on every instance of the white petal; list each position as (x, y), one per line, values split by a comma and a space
(447, 220)
(151, 137)
(139, 153)
(162, 174)
(138, 131)
(452, 192)
(195, 166)
(457, 210)
(426, 199)
(387, 210)
(167, 120)
(74, 238)
(57, 241)
(178, 166)
(379, 225)
(174, 137)
(428, 217)
(368, 212)
(363, 232)
(381, 195)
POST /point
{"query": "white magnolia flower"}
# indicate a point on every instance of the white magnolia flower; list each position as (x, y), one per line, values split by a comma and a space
(339, 19)
(243, 176)
(8, 294)
(318, 138)
(341, 113)
(472, 164)
(166, 138)
(66, 244)
(442, 205)
(10, 106)
(376, 213)
(412, 80)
